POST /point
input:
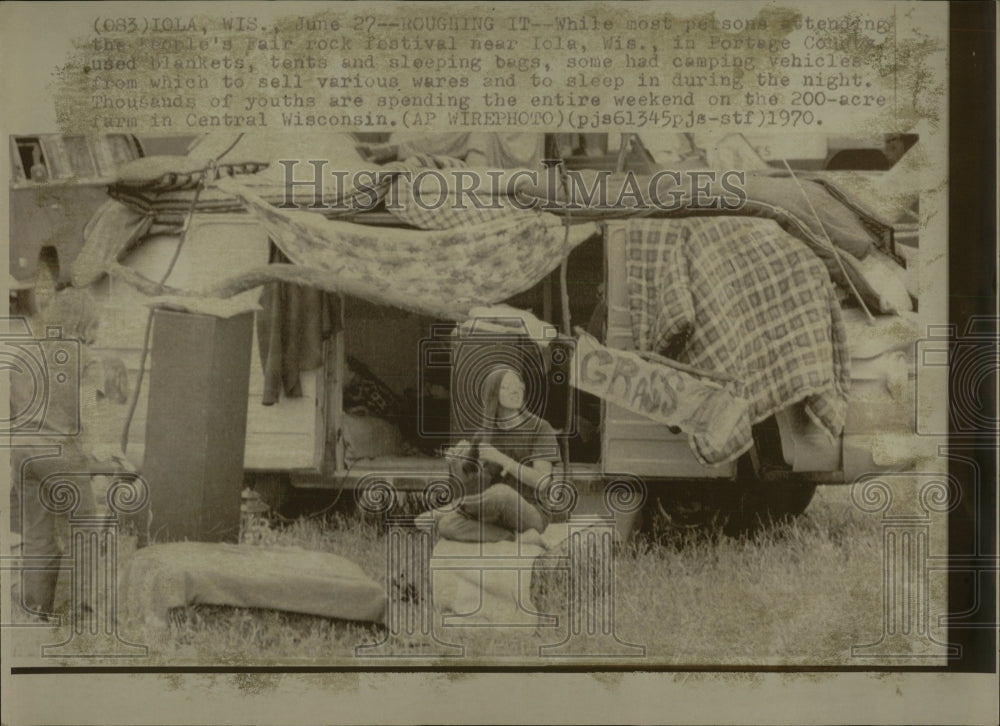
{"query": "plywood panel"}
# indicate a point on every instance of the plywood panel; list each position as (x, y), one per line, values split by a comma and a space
(196, 430)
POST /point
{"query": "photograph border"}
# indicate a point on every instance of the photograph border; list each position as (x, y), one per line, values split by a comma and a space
(972, 532)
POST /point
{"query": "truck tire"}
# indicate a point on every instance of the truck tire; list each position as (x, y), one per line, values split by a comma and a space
(769, 493)
(736, 508)
(759, 497)
(762, 504)
(693, 505)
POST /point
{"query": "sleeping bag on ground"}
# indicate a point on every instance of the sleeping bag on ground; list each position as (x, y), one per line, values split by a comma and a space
(172, 575)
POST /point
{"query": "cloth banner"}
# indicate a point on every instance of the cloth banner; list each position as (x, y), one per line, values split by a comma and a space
(706, 410)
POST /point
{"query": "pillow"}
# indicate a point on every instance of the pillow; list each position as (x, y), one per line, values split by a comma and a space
(885, 280)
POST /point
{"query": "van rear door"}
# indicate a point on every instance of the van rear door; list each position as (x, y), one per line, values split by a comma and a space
(630, 442)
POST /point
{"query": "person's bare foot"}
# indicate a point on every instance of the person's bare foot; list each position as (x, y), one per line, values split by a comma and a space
(532, 537)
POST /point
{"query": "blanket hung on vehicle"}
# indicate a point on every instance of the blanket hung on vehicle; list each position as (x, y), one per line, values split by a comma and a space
(742, 297)
(443, 273)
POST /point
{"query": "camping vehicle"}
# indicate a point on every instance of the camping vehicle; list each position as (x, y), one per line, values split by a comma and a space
(378, 404)
(57, 183)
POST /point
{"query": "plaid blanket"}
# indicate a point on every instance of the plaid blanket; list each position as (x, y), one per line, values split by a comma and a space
(425, 196)
(741, 296)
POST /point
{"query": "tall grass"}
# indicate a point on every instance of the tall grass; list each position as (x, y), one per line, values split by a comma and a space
(801, 593)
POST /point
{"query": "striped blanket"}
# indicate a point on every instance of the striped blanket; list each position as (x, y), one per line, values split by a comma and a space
(741, 296)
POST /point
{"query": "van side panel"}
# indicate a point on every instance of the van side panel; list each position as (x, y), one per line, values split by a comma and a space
(630, 442)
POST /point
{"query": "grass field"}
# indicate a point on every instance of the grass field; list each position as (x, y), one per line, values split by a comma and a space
(801, 593)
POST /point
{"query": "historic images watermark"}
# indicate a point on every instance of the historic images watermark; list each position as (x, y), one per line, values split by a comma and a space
(907, 560)
(41, 370)
(51, 479)
(565, 593)
(91, 564)
(465, 356)
(461, 189)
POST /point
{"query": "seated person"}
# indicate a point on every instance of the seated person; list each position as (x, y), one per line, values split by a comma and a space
(515, 450)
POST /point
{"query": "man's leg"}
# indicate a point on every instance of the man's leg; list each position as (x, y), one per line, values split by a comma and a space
(38, 524)
(40, 550)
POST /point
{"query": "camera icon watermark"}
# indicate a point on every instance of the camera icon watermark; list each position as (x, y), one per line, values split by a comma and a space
(474, 358)
(913, 507)
(973, 361)
(89, 558)
(44, 378)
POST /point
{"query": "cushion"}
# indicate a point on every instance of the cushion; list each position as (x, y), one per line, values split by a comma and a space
(884, 282)
(472, 588)
(164, 576)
